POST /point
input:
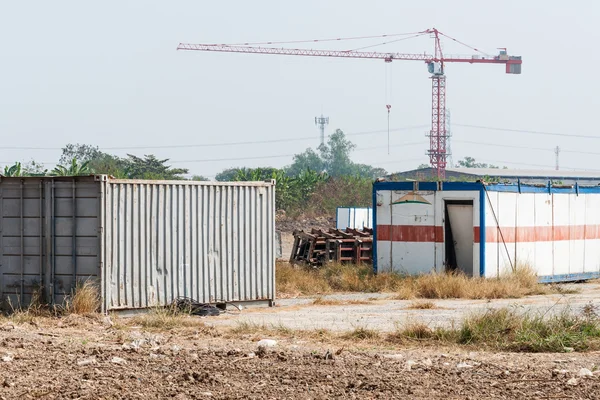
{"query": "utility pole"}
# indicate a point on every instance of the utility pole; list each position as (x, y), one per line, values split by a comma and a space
(556, 152)
(322, 122)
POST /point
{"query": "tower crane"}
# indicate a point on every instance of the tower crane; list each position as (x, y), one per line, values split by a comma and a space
(435, 64)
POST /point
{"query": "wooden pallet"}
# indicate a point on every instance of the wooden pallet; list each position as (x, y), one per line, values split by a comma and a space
(318, 247)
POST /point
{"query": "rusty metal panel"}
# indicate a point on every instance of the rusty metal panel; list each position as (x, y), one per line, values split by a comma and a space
(210, 241)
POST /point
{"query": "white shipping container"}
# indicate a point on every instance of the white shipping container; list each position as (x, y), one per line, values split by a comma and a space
(485, 230)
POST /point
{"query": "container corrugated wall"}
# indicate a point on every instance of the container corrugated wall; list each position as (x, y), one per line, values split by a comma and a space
(213, 242)
(557, 234)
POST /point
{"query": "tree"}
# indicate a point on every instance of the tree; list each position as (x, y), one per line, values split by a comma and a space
(74, 169)
(336, 154)
(257, 174)
(307, 161)
(151, 167)
(368, 171)
(98, 161)
(333, 158)
(33, 168)
(469, 162)
(108, 164)
(199, 178)
(82, 152)
(423, 166)
(227, 175)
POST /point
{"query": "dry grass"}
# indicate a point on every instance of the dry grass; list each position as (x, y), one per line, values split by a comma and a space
(259, 331)
(415, 330)
(165, 318)
(30, 314)
(506, 329)
(297, 280)
(502, 329)
(361, 333)
(422, 305)
(320, 301)
(85, 299)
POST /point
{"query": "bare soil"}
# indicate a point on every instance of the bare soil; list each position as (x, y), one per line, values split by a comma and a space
(87, 358)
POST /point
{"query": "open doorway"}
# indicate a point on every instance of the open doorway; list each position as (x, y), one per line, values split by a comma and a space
(458, 235)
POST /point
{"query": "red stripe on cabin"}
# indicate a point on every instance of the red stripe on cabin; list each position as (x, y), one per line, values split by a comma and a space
(419, 233)
(410, 233)
(542, 233)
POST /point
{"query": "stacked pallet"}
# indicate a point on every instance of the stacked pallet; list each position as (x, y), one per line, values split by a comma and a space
(318, 247)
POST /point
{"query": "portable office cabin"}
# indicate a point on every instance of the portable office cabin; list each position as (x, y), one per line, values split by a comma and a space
(145, 243)
(484, 230)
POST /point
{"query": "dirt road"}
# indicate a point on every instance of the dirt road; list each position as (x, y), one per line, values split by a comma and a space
(79, 358)
(379, 311)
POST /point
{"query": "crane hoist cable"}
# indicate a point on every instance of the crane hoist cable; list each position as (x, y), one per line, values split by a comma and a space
(388, 100)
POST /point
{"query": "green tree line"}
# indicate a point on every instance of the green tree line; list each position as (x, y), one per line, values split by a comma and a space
(316, 181)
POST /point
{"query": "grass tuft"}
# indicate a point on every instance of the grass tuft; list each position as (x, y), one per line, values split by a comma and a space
(506, 329)
(85, 299)
(165, 318)
(362, 333)
(320, 301)
(422, 305)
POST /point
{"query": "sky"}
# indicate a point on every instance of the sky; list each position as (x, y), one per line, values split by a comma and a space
(108, 74)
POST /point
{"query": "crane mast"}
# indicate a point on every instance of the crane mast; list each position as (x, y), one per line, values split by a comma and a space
(438, 135)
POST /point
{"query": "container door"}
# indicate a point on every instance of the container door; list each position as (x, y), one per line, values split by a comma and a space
(459, 237)
(21, 241)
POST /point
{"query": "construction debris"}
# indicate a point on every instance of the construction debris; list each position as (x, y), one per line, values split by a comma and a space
(318, 247)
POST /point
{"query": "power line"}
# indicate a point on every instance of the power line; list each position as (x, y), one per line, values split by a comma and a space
(511, 146)
(305, 138)
(284, 155)
(243, 143)
(490, 128)
(540, 165)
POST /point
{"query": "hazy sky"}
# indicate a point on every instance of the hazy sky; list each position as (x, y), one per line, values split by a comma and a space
(107, 73)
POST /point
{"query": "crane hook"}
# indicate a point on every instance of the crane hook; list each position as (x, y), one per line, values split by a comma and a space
(389, 107)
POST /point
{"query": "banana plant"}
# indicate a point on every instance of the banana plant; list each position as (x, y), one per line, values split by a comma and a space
(14, 170)
(75, 169)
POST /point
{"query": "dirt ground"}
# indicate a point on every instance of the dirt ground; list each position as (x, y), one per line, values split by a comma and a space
(88, 358)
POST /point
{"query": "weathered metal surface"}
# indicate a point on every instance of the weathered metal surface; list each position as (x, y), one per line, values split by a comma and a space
(557, 234)
(213, 242)
(146, 242)
(410, 229)
(49, 237)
